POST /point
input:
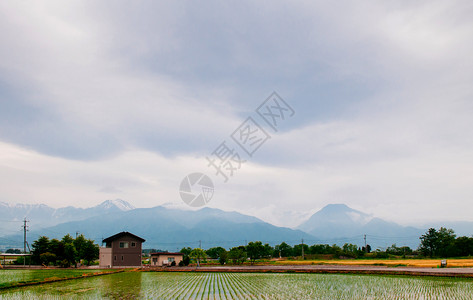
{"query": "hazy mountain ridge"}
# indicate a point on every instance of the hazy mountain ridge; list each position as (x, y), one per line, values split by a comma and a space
(170, 228)
(173, 229)
(43, 216)
(339, 223)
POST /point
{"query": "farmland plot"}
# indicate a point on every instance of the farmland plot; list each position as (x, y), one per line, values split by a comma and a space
(156, 285)
(11, 277)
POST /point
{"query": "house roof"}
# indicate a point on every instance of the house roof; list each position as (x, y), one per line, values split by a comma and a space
(121, 234)
(166, 253)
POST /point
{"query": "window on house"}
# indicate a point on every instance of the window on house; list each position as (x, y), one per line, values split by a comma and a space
(170, 259)
(122, 257)
(123, 244)
(115, 257)
(155, 260)
(133, 244)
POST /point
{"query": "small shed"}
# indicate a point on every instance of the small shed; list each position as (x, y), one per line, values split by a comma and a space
(160, 259)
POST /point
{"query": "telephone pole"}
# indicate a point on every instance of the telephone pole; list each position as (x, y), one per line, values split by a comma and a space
(366, 249)
(200, 244)
(302, 244)
(25, 229)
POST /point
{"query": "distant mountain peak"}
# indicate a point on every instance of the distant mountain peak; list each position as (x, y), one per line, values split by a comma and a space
(336, 207)
(335, 215)
(117, 203)
(342, 209)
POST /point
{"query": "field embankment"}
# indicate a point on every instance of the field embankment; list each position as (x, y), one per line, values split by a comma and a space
(423, 263)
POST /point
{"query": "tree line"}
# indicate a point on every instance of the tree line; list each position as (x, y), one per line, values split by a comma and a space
(257, 250)
(65, 252)
(434, 243)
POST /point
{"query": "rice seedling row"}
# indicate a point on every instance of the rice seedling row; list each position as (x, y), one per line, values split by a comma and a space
(164, 285)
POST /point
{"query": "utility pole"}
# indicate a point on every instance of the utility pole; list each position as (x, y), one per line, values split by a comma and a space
(302, 243)
(77, 233)
(366, 249)
(25, 229)
(200, 244)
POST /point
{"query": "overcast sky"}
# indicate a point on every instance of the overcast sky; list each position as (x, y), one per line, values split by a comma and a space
(123, 99)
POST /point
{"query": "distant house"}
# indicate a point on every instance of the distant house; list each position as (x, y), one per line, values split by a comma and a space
(121, 250)
(164, 258)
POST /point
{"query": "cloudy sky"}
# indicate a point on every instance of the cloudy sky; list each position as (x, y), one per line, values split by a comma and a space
(123, 99)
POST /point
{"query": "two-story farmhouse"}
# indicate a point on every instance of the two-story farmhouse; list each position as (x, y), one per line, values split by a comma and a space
(121, 250)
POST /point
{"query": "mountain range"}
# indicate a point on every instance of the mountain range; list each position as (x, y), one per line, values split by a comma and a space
(337, 223)
(43, 216)
(171, 229)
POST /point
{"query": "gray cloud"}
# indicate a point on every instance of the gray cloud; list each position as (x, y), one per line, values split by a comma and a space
(382, 93)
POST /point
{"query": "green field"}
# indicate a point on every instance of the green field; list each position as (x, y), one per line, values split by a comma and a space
(11, 277)
(163, 285)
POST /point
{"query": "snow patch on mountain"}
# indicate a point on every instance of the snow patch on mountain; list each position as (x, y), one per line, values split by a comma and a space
(118, 203)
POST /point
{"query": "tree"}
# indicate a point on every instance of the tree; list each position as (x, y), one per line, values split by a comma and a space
(254, 250)
(223, 257)
(297, 250)
(463, 246)
(13, 251)
(350, 250)
(47, 258)
(90, 252)
(185, 256)
(446, 239)
(80, 245)
(56, 247)
(39, 246)
(197, 254)
(283, 250)
(70, 255)
(238, 255)
(186, 251)
(214, 252)
(429, 242)
(67, 239)
(268, 251)
(320, 249)
(336, 250)
(438, 243)
(394, 250)
(185, 261)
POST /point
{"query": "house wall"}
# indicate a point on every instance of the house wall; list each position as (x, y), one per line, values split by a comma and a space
(163, 257)
(105, 257)
(126, 257)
